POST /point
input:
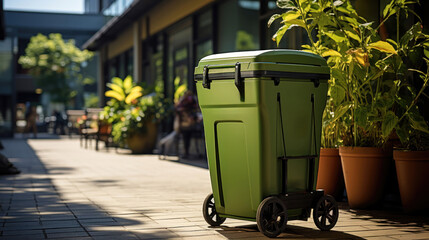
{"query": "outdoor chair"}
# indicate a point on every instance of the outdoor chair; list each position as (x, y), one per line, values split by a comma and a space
(104, 134)
(89, 127)
(72, 121)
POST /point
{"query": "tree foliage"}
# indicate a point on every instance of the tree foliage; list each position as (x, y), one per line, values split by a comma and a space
(54, 63)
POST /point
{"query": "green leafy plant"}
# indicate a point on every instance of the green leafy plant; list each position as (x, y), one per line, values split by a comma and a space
(55, 64)
(370, 77)
(131, 107)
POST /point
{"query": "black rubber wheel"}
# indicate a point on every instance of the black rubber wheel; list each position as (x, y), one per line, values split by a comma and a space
(271, 216)
(325, 213)
(209, 212)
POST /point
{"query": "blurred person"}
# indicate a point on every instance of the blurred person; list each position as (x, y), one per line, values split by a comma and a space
(31, 123)
(59, 123)
(186, 115)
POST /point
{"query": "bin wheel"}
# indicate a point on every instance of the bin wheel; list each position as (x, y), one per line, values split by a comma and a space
(271, 216)
(325, 213)
(209, 212)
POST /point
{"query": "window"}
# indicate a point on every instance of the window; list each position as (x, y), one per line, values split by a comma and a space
(129, 55)
(113, 68)
(178, 57)
(203, 35)
(152, 60)
(238, 25)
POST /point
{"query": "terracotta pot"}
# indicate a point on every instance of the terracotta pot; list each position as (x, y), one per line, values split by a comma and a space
(365, 170)
(412, 169)
(330, 176)
(144, 142)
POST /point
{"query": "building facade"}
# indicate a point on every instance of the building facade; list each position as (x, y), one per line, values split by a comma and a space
(17, 87)
(159, 42)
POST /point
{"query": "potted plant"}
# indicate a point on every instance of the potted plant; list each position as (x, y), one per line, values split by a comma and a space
(134, 114)
(412, 167)
(330, 174)
(364, 86)
(412, 156)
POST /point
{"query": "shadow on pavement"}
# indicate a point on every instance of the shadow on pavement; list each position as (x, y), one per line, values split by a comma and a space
(32, 208)
(396, 218)
(196, 162)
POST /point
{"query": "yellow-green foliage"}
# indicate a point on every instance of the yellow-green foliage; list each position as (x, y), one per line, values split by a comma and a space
(51, 60)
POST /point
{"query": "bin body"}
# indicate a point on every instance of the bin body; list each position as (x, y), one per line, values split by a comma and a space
(243, 126)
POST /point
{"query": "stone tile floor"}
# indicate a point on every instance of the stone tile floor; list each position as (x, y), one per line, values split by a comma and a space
(68, 192)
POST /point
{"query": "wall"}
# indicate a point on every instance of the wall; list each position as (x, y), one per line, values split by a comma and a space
(169, 12)
(122, 43)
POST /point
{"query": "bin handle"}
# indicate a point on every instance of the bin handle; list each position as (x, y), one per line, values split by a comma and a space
(206, 80)
(239, 81)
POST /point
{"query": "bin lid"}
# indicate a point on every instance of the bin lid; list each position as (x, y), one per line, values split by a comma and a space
(274, 63)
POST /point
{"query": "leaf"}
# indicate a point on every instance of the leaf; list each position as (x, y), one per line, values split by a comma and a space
(392, 42)
(389, 123)
(117, 81)
(136, 89)
(115, 95)
(290, 15)
(132, 96)
(388, 10)
(280, 33)
(353, 35)
(341, 110)
(360, 56)
(412, 33)
(128, 84)
(331, 53)
(285, 4)
(273, 18)
(337, 94)
(383, 46)
(115, 87)
(179, 92)
(297, 22)
(361, 116)
(402, 132)
(338, 3)
(426, 52)
(417, 121)
(336, 36)
(325, 21)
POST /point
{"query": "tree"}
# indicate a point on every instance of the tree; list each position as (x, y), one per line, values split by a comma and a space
(55, 64)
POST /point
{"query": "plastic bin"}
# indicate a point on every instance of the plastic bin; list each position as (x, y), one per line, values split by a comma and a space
(262, 113)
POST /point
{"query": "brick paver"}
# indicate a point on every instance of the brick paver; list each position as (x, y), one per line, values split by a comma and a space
(65, 191)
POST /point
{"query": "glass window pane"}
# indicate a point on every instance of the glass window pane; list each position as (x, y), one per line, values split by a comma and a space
(130, 63)
(204, 49)
(178, 58)
(238, 25)
(6, 66)
(204, 24)
(121, 60)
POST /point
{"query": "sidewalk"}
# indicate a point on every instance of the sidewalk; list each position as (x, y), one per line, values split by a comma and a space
(65, 191)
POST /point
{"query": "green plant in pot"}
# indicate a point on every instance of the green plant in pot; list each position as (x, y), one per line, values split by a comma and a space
(330, 174)
(134, 114)
(412, 157)
(362, 89)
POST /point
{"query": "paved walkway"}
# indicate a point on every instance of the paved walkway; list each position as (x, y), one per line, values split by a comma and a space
(65, 191)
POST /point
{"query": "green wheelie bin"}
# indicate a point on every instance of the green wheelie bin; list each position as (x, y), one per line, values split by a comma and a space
(262, 113)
